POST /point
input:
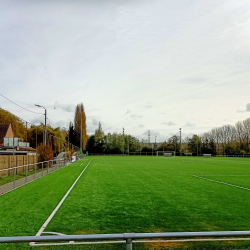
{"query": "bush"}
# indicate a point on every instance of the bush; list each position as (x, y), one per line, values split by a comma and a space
(45, 152)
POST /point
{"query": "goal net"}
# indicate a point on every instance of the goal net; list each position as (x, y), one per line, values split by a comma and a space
(162, 153)
(207, 155)
(188, 154)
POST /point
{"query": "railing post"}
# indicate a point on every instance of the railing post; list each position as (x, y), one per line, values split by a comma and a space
(129, 244)
(25, 173)
(14, 183)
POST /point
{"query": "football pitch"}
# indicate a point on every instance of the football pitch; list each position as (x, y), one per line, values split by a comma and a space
(137, 194)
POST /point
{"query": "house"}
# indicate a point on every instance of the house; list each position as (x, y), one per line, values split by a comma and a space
(5, 131)
(7, 140)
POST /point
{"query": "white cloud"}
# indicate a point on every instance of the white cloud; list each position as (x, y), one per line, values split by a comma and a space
(189, 124)
(37, 120)
(95, 121)
(141, 126)
(128, 112)
(246, 110)
(51, 53)
(65, 107)
(134, 116)
(170, 123)
(149, 105)
(248, 107)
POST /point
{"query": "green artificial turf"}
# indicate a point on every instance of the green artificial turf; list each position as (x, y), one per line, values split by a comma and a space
(132, 194)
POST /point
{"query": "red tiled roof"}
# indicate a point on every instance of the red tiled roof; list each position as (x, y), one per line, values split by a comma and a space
(24, 149)
(3, 131)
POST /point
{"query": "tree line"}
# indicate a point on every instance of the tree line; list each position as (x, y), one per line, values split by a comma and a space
(227, 139)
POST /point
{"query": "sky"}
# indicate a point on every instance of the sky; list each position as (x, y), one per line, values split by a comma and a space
(143, 65)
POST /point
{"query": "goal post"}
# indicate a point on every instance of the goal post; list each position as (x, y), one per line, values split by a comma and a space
(207, 155)
(162, 153)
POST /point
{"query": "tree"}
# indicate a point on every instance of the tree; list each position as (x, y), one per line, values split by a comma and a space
(99, 138)
(18, 126)
(193, 144)
(72, 135)
(80, 125)
(90, 146)
(45, 152)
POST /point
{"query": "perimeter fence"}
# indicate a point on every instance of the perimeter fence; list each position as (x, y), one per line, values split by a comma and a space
(176, 154)
(21, 175)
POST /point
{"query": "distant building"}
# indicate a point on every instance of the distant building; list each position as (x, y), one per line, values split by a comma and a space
(5, 131)
(8, 142)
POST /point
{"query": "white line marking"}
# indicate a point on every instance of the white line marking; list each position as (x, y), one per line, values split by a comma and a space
(223, 175)
(139, 241)
(221, 182)
(58, 206)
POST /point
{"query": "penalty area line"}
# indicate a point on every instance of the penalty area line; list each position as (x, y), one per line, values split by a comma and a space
(58, 206)
(220, 182)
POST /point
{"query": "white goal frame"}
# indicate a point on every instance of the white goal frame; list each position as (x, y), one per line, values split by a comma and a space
(157, 153)
(207, 155)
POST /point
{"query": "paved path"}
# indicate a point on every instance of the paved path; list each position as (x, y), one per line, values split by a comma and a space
(13, 185)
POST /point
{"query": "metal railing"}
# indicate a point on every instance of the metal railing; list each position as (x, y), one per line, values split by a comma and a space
(127, 237)
(30, 172)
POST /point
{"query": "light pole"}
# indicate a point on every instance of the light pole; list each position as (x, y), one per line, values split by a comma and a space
(123, 141)
(180, 141)
(45, 119)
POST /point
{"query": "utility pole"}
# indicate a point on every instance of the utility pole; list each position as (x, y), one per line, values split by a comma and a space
(180, 141)
(45, 125)
(45, 122)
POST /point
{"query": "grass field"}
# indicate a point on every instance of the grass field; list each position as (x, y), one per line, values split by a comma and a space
(132, 194)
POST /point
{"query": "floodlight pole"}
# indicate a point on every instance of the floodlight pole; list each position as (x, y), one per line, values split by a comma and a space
(180, 141)
(45, 120)
(123, 141)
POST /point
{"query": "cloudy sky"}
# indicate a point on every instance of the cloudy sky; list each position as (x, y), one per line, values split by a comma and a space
(142, 65)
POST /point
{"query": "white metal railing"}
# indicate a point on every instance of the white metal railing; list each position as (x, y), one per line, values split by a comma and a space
(127, 238)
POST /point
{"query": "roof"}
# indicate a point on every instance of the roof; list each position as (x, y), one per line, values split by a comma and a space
(3, 131)
(25, 149)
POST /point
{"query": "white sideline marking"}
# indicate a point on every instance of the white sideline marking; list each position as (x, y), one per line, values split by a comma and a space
(221, 182)
(139, 241)
(58, 206)
(223, 175)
